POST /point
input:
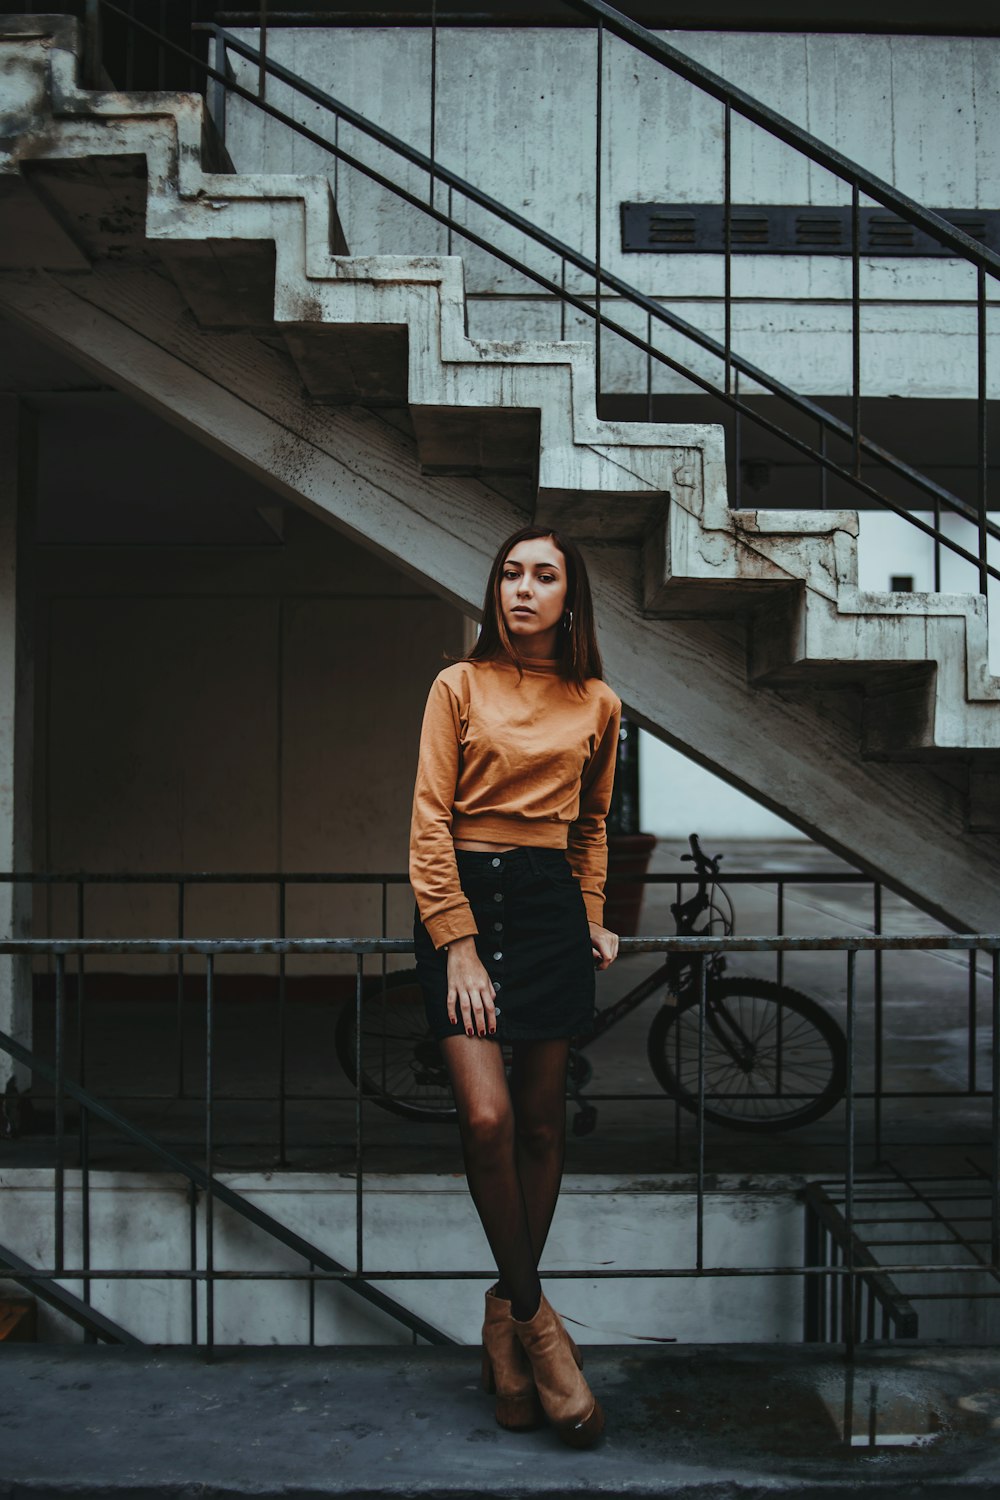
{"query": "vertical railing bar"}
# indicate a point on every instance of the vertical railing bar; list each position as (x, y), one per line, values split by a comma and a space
(60, 1173)
(937, 545)
(879, 1022)
(130, 48)
(209, 1145)
(220, 95)
(562, 302)
(81, 1073)
(262, 63)
(599, 146)
(856, 325)
(677, 1074)
(161, 51)
(451, 216)
(972, 1017)
(780, 975)
(181, 1030)
(727, 230)
(700, 1224)
(359, 1203)
(649, 367)
(193, 1258)
(849, 1287)
(336, 167)
(282, 1031)
(823, 475)
(981, 436)
(312, 1307)
(92, 44)
(995, 1118)
(835, 1308)
(433, 142)
(737, 444)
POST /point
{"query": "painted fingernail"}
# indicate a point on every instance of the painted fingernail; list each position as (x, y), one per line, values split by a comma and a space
(469, 1030)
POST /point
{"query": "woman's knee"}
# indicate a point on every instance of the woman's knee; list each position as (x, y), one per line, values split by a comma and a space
(541, 1137)
(488, 1125)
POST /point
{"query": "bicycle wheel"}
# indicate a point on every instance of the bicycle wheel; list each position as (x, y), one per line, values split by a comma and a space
(402, 1069)
(774, 1059)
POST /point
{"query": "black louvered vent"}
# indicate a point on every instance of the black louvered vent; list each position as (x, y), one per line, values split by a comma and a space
(818, 232)
(788, 229)
(676, 229)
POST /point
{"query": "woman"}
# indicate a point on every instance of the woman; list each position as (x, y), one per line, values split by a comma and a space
(508, 858)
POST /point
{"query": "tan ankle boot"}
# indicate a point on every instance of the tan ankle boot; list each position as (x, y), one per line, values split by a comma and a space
(506, 1370)
(565, 1395)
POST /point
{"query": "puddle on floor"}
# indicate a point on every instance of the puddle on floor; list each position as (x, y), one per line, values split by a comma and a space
(822, 1413)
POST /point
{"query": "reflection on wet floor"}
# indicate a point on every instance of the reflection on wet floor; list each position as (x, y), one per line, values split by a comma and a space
(811, 1406)
(873, 1414)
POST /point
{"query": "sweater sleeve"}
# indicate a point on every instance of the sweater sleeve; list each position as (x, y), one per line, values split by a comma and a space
(587, 846)
(443, 906)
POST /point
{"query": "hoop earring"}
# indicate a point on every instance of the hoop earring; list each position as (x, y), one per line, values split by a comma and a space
(567, 620)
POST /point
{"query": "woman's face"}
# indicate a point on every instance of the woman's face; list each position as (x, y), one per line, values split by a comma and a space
(533, 594)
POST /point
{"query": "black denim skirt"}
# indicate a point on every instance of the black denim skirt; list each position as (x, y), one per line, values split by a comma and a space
(533, 940)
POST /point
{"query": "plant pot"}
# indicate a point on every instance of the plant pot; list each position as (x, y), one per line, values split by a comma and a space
(628, 860)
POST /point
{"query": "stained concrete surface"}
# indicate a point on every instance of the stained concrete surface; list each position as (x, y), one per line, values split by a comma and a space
(715, 1421)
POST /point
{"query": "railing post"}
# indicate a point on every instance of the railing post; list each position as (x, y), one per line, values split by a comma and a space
(359, 1090)
(219, 92)
(92, 48)
(209, 1144)
(849, 1288)
(699, 968)
(598, 149)
(981, 436)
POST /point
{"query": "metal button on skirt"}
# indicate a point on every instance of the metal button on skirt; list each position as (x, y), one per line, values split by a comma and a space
(533, 941)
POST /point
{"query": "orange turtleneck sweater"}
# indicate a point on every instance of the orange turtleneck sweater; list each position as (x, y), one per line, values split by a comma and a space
(510, 761)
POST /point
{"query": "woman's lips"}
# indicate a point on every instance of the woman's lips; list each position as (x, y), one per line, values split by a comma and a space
(522, 611)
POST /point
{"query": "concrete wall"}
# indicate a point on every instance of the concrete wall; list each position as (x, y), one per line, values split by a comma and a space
(427, 1223)
(424, 1223)
(237, 709)
(515, 115)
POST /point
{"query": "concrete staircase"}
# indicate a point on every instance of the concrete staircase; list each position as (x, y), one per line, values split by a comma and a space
(230, 304)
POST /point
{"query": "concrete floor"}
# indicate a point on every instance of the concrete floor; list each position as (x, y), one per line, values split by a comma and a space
(694, 1421)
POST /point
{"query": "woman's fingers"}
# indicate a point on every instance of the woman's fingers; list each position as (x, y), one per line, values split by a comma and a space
(471, 1000)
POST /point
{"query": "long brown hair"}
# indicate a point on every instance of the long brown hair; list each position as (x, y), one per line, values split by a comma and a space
(577, 650)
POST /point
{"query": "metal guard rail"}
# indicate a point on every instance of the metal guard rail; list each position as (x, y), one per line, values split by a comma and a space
(851, 172)
(853, 1270)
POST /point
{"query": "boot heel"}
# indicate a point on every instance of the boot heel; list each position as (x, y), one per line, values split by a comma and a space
(586, 1433)
(489, 1383)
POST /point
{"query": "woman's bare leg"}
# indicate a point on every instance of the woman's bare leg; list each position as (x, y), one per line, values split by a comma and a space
(486, 1123)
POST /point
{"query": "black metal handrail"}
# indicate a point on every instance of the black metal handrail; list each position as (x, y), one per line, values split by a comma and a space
(828, 1318)
(734, 364)
(854, 1270)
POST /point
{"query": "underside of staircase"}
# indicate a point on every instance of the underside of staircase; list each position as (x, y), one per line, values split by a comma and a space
(230, 305)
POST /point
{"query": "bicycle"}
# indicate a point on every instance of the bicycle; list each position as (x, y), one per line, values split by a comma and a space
(773, 1058)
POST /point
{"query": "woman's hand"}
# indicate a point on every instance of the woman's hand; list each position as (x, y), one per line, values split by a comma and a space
(470, 990)
(604, 944)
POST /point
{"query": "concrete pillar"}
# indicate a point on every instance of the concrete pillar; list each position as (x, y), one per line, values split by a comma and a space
(16, 717)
